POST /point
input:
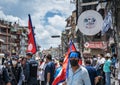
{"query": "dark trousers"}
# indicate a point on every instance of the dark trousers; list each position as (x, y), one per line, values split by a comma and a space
(24, 83)
(42, 83)
(2, 83)
(32, 81)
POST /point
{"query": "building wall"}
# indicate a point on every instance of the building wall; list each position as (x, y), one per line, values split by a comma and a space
(5, 35)
(13, 37)
(84, 38)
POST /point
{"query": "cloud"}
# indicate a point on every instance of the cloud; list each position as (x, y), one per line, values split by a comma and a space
(10, 1)
(45, 25)
(11, 18)
(57, 21)
(0, 8)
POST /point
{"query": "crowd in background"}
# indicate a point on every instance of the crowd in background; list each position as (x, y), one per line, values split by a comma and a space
(106, 66)
(98, 69)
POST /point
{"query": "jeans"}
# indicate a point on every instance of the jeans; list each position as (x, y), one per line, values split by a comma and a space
(107, 78)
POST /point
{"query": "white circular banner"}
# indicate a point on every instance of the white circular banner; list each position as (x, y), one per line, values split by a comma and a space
(30, 47)
(90, 22)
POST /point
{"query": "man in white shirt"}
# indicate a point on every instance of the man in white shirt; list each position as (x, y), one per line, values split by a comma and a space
(78, 75)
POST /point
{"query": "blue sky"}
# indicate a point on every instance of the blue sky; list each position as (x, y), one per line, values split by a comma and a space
(48, 17)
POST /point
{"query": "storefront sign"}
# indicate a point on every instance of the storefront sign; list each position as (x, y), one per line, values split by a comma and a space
(100, 45)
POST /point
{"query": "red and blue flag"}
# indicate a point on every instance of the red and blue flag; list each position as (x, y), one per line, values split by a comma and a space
(31, 39)
(64, 72)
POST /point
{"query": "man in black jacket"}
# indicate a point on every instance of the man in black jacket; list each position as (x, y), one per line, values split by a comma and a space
(4, 78)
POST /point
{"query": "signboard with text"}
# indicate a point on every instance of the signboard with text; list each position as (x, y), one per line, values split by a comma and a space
(100, 45)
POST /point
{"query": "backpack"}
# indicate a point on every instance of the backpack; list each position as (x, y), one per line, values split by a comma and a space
(33, 68)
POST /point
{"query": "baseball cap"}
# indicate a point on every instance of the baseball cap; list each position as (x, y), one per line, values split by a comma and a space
(74, 54)
(29, 53)
(15, 57)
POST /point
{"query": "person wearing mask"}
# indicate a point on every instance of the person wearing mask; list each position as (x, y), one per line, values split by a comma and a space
(99, 68)
(107, 69)
(32, 69)
(94, 60)
(49, 70)
(78, 75)
(42, 72)
(100, 63)
(4, 77)
(25, 66)
(16, 71)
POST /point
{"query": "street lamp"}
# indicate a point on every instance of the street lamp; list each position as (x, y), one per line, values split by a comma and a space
(57, 36)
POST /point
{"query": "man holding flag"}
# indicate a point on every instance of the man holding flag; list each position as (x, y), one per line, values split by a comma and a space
(31, 64)
(64, 71)
(78, 75)
(72, 73)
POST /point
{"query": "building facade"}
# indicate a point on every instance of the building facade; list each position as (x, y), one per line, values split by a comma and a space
(13, 38)
(5, 36)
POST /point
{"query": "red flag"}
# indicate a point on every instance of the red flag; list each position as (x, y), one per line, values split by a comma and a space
(63, 73)
(31, 40)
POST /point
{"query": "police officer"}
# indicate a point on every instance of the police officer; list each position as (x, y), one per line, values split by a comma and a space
(25, 66)
(33, 65)
(16, 71)
(4, 78)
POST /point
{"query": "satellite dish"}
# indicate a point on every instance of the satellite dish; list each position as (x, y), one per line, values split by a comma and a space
(90, 22)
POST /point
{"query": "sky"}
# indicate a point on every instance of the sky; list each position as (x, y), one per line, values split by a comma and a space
(48, 17)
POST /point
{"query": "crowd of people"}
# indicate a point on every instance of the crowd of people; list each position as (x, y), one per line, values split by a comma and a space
(96, 70)
(106, 66)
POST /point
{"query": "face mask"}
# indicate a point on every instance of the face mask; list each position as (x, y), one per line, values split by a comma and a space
(14, 62)
(74, 62)
(60, 64)
(98, 58)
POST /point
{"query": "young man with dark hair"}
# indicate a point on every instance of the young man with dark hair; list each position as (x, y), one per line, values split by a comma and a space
(92, 72)
(49, 70)
(60, 67)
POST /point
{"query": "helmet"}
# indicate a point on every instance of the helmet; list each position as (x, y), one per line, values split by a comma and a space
(29, 53)
(15, 57)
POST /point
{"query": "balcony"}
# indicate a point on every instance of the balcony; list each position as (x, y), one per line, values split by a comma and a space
(13, 44)
(4, 26)
(2, 41)
(87, 3)
(5, 34)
